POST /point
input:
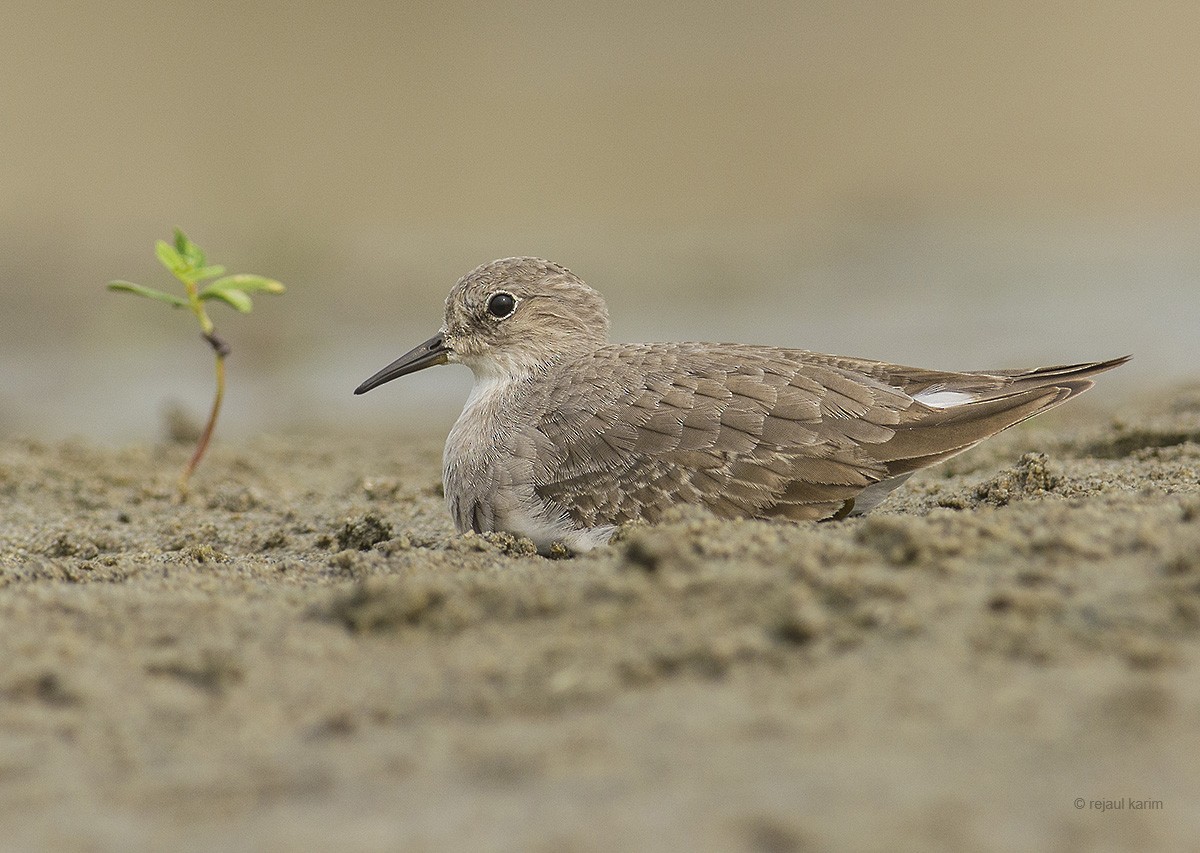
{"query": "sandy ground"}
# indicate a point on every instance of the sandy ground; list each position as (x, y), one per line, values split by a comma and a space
(305, 656)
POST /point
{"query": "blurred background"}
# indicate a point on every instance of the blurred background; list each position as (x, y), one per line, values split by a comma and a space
(953, 185)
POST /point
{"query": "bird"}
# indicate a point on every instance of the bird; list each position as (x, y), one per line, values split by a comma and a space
(566, 436)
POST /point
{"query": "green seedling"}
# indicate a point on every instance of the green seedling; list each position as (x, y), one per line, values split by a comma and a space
(187, 263)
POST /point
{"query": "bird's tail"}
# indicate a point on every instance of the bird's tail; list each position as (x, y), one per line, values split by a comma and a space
(980, 405)
(1075, 378)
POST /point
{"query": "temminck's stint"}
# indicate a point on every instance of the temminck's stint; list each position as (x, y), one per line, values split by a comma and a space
(565, 435)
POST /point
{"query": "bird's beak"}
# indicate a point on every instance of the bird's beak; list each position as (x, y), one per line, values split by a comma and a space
(433, 351)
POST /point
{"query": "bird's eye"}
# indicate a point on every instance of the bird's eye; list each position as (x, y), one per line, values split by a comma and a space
(501, 305)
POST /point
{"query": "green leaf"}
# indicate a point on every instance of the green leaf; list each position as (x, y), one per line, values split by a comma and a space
(206, 272)
(231, 296)
(246, 282)
(188, 250)
(149, 293)
(169, 257)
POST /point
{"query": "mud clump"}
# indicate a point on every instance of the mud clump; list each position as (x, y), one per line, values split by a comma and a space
(1034, 476)
(363, 533)
(387, 606)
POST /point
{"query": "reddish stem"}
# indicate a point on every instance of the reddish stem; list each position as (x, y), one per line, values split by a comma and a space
(222, 350)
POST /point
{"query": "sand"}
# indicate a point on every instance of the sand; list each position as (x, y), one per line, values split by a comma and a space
(306, 656)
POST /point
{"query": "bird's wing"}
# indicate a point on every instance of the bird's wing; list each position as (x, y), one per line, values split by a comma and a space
(760, 432)
(635, 430)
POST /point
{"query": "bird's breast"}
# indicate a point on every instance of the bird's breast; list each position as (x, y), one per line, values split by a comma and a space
(477, 464)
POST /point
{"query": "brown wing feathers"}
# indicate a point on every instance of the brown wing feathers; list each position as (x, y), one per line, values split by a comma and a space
(758, 432)
(746, 439)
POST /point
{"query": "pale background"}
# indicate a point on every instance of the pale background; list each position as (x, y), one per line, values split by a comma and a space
(956, 185)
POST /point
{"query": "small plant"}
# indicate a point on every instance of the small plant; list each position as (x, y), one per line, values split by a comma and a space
(187, 263)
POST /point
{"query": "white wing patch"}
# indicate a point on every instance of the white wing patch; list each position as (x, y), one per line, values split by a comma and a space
(940, 398)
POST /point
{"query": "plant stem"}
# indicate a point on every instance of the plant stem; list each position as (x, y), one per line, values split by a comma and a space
(221, 349)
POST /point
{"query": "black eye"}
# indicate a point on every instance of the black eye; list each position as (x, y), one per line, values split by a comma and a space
(501, 305)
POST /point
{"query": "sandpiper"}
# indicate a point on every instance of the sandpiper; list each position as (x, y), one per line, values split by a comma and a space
(565, 436)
